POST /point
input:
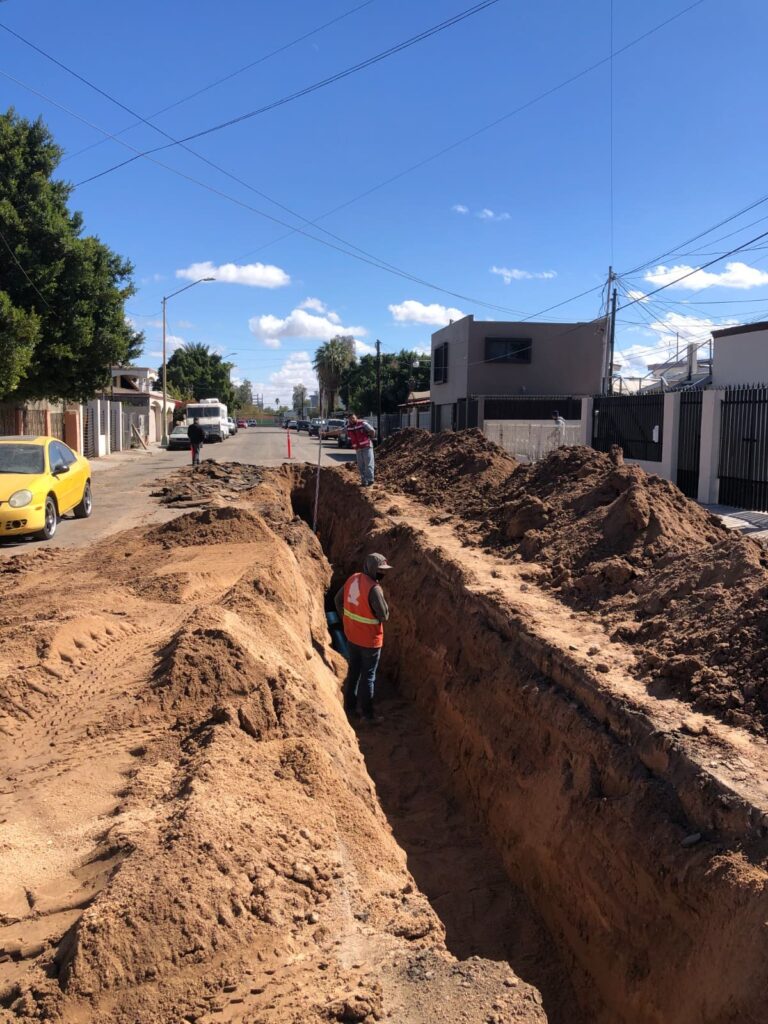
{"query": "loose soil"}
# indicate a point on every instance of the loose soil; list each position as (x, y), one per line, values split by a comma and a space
(663, 574)
(189, 832)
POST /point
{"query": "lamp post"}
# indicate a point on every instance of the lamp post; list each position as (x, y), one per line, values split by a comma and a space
(164, 441)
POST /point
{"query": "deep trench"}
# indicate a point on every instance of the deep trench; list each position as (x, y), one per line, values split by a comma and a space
(542, 817)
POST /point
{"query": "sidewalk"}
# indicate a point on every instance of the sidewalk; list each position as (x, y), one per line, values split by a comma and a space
(116, 459)
(751, 524)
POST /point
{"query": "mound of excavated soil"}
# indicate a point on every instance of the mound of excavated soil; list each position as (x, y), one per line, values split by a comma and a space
(188, 829)
(446, 469)
(664, 574)
(198, 485)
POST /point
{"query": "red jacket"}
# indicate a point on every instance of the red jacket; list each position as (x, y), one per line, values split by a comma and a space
(359, 435)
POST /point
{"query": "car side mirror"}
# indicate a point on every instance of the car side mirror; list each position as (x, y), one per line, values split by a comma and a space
(60, 469)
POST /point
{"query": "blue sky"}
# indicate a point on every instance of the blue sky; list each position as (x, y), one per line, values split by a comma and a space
(518, 217)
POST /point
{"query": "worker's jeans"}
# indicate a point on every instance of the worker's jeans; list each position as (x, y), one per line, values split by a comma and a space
(365, 465)
(196, 454)
(361, 678)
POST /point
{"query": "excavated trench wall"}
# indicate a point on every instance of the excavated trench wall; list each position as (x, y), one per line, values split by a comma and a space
(588, 807)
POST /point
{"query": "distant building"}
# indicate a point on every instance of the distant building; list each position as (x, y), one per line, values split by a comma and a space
(136, 387)
(472, 361)
(740, 355)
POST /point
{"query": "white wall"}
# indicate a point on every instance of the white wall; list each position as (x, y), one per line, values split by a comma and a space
(740, 359)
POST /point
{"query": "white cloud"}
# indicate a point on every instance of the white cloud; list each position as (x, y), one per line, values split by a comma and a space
(297, 369)
(735, 275)
(486, 214)
(361, 349)
(460, 208)
(255, 275)
(184, 325)
(675, 332)
(299, 324)
(316, 305)
(513, 274)
(413, 312)
(173, 341)
(633, 293)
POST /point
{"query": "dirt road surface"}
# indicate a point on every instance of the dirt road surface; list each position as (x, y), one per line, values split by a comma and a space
(122, 482)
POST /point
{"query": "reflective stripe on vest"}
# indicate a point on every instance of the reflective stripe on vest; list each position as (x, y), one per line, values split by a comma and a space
(360, 626)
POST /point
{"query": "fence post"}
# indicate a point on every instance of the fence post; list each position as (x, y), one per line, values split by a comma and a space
(709, 482)
(670, 436)
(480, 413)
(47, 420)
(18, 419)
(585, 427)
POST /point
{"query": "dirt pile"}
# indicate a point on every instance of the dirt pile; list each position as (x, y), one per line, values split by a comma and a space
(189, 832)
(665, 574)
(210, 481)
(449, 470)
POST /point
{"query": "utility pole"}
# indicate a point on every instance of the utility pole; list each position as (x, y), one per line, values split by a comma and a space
(164, 439)
(607, 367)
(378, 389)
(612, 340)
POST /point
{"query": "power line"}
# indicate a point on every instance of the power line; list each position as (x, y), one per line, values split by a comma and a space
(360, 66)
(358, 255)
(16, 261)
(491, 124)
(225, 78)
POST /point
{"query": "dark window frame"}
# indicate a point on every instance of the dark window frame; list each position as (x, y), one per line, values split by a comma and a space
(440, 364)
(519, 351)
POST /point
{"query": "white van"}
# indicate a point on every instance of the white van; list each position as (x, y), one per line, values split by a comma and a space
(212, 417)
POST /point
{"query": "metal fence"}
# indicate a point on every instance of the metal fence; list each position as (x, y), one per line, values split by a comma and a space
(635, 422)
(531, 407)
(689, 443)
(530, 441)
(743, 461)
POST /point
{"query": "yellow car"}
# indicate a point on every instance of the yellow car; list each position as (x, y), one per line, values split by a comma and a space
(40, 480)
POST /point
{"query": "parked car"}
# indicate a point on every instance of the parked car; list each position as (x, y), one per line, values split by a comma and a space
(41, 479)
(331, 429)
(314, 426)
(178, 439)
(253, 423)
(232, 426)
(302, 425)
(291, 425)
(241, 424)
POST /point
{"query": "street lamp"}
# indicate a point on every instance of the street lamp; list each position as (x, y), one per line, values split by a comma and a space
(164, 441)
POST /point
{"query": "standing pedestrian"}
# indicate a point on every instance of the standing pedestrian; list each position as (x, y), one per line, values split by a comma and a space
(363, 609)
(361, 436)
(196, 436)
(558, 433)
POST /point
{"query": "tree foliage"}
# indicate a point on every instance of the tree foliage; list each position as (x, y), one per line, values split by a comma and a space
(62, 293)
(299, 398)
(244, 395)
(398, 372)
(196, 372)
(331, 360)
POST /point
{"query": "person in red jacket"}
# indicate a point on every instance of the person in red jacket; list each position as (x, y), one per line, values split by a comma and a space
(363, 609)
(361, 436)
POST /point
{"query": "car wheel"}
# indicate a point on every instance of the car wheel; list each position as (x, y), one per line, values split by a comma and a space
(51, 520)
(84, 509)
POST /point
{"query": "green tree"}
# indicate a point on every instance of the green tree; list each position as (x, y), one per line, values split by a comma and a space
(331, 360)
(196, 371)
(299, 398)
(244, 395)
(398, 372)
(63, 292)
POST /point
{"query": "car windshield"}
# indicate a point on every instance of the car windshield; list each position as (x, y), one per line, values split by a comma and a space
(335, 423)
(180, 429)
(22, 458)
(204, 412)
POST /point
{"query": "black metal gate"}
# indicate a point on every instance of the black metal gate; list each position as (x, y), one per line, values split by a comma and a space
(743, 464)
(689, 443)
(636, 422)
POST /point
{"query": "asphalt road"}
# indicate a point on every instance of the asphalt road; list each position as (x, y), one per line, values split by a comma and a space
(122, 482)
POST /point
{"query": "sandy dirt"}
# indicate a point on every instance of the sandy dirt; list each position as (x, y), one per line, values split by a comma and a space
(189, 830)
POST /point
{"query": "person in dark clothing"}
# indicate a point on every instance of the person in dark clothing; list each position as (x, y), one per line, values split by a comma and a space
(363, 609)
(196, 436)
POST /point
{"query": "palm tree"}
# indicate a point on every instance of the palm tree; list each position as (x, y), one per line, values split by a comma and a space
(330, 362)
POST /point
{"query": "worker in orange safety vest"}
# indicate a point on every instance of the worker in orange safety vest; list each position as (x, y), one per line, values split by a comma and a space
(363, 609)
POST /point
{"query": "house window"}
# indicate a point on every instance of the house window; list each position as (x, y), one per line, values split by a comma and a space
(440, 364)
(508, 350)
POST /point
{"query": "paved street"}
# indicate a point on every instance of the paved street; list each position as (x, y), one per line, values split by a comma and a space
(122, 483)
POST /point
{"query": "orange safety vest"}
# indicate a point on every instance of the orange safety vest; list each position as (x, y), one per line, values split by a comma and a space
(360, 625)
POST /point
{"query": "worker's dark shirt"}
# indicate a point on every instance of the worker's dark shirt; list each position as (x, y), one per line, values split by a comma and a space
(195, 433)
(376, 600)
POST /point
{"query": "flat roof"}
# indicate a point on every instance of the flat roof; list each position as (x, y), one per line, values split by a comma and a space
(724, 332)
